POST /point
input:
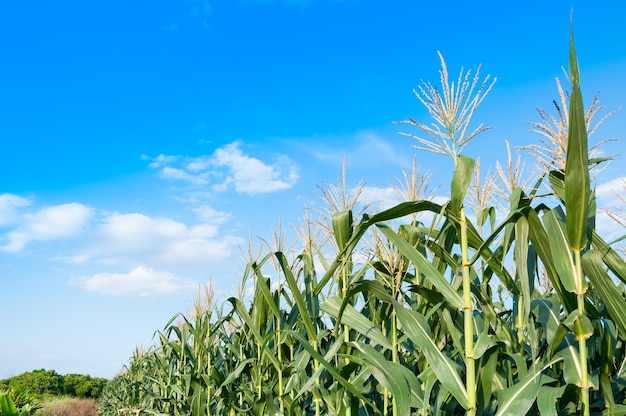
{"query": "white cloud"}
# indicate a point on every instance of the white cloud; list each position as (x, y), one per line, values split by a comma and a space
(250, 175)
(199, 164)
(128, 238)
(47, 224)
(157, 249)
(140, 281)
(160, 160)
(9, 205)
(376, 195)
(211, 216)
(607, 198)
(178, 174)
(607, 192)
(363, 148)
(229, 168)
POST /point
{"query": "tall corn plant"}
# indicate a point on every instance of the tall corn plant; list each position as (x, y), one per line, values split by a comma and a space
(452, 110)
(402, 317)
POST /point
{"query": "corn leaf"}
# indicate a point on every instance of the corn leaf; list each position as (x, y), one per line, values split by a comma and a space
(519, 398)
(399, 380)
(522, 263)
(603, 284)
(460, 182)
(295, 292)
(424, 266)
(548, 398)
(577, 182)
(327, 366)
(355, 320)
(561, 252)
(609, 256)
(416, 327)
(342, 227)
(543, 246)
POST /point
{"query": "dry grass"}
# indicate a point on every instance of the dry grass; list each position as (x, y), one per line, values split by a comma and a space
(68, 407)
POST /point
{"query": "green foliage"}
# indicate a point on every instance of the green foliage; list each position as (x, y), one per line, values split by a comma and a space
(43, 382)
(15, 401)
(399, 317)
(82, 385)
(39, 382)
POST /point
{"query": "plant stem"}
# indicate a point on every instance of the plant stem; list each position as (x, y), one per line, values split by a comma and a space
(316, 366)
(582, 337)
(470, 365)
(394, 356)
(209, 371)
(281, 389)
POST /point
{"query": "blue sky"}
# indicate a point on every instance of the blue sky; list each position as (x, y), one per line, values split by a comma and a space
(144, 142)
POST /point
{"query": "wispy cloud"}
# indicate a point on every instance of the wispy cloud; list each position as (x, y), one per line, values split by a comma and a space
(9, 208)
(136, 238)
(140, 281)
(160, 160)
(229, 168)
(155, 249)
(610, 195)
(46, 224)
(201, 8)
(168, 172)
(250, 175)
(363, 148)
(377, 195)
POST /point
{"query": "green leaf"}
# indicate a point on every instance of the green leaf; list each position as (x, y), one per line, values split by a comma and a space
(460, 182)
(547, 399)
(327, 366)
(522, 264)
(586, 327)
(603, 284)
(198, 402)
(243, 314)
(607, 349)
(399, 380)
(424, 266)
(519, 398)
(547, 312)
(7, 407)
(416, 327)
(557, 181)
(487, 372)
(609, 256)
(617, 410)
(295, 292)
(355, 320)
(483, 343)
(543, 246)
(572, 371)
(342, 227)
(398, 211)
(263, 290)
(577, 182)
(561, 252)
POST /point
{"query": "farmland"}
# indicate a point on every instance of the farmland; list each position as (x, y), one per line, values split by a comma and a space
(501, 300)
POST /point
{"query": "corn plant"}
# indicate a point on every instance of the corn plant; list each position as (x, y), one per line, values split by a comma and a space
(379, 313)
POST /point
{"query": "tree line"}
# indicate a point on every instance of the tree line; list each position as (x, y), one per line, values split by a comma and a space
(49, 382)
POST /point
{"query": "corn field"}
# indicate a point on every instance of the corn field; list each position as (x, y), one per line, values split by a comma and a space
(462, 307)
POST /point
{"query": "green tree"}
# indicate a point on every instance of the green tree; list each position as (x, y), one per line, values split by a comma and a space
(84, 386)
(39, 381)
